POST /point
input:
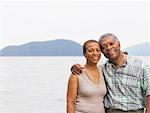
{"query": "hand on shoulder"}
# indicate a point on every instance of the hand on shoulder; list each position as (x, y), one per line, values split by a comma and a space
(76, 69)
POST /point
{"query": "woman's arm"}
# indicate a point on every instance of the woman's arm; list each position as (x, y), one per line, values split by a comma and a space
(71, 93)
(148, 104)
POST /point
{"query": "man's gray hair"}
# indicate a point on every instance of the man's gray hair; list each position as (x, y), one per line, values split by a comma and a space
(108, 35)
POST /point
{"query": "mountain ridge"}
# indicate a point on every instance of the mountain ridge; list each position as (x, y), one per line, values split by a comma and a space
(58, 47)
(63, 47)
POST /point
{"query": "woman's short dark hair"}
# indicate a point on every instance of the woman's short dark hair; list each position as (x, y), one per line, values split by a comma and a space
(87, 42)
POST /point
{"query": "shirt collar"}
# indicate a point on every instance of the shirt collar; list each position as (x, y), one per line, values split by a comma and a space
(109, 63)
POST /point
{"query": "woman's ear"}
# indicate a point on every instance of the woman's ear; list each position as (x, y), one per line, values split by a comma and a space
(84, 54)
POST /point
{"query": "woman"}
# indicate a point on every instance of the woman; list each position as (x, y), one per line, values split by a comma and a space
(86, 91)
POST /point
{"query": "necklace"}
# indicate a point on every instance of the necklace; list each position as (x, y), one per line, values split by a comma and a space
(93, 76)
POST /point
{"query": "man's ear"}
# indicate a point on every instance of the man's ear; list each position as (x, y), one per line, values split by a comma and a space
(119, 43)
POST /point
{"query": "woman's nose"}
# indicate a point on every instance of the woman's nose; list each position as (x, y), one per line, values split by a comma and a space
(95, 52)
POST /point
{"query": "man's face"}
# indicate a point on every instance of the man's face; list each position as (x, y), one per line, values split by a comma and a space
(110, 47)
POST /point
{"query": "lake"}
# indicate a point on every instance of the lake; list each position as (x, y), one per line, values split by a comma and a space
(35, 84)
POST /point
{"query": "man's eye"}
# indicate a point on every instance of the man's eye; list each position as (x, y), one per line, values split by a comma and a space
(111, 43)
(102, 47)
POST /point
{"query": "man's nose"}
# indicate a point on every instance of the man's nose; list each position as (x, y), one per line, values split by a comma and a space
(108, 47)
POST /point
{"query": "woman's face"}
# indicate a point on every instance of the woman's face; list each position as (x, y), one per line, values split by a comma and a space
(92, 52)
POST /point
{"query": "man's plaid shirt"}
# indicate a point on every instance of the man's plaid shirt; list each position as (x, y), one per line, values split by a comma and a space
(128, 85)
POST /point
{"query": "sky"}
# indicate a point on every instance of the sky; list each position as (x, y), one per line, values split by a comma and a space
(23, 21)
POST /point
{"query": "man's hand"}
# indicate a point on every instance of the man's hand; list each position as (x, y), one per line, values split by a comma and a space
(76, 69)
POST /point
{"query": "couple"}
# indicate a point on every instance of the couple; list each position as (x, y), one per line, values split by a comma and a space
(126, 77)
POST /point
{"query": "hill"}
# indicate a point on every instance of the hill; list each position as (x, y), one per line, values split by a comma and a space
(62, 47)
(142, 49)
(58, 47)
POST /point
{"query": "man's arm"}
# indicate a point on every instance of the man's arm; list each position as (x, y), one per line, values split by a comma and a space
(147, 86)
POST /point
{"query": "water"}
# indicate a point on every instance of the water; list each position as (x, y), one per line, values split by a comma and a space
(35, 84)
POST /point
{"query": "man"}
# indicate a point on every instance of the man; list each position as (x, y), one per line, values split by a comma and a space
(127, 79)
